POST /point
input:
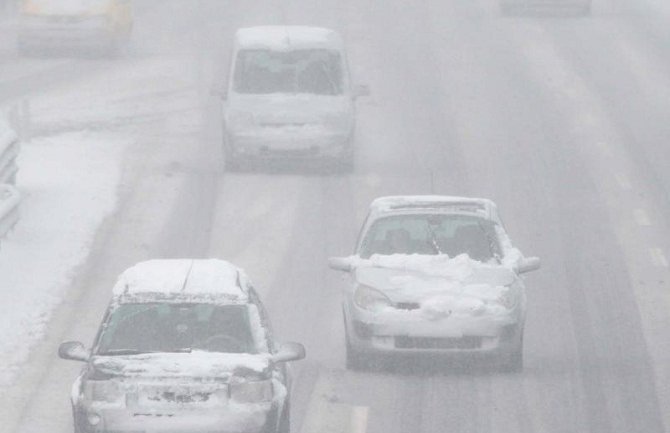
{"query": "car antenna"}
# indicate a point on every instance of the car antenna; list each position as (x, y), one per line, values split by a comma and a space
(188, 274)
(432, 181)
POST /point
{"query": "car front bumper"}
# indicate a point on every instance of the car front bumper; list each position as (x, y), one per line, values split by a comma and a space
(477, 335)
(52, 33)
(290, 146)
(247, 419)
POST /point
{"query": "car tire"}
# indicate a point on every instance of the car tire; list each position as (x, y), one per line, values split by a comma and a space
(512, 362)
(355, 360)
(285, 421)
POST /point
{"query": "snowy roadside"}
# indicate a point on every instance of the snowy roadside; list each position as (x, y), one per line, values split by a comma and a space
(69, 182)
(70, 175)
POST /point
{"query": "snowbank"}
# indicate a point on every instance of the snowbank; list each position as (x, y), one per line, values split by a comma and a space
(69, 183)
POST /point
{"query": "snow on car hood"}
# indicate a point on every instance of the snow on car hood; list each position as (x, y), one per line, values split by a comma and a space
(438, 284)
(197, 364)
(278, 109)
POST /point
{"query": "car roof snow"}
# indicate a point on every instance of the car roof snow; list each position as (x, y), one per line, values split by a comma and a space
(183, 278)
(283, 38)
(480, 206)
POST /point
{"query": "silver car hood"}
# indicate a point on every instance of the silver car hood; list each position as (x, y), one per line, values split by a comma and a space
(485, 283)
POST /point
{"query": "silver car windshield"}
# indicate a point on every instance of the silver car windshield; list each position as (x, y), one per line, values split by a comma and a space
(163, 327)
(432, 234)
(317, 71)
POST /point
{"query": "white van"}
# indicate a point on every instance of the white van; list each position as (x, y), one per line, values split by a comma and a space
(289, 95)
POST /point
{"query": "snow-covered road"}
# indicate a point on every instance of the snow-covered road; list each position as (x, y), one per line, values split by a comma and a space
(562, 121)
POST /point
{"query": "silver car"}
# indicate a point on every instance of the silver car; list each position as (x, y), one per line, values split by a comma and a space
(185, 346)
(435, 275)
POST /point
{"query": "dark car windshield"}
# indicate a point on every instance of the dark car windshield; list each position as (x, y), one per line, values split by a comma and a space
(317, 71)
(432, 234)
(164, 327)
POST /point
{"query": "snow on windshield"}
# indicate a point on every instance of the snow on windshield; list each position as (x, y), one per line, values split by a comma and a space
(317, 71)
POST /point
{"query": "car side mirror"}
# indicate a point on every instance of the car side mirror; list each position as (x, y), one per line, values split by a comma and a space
(529, 264)
(343, 264)
(73, 351)
(289, 352)
(361, 90)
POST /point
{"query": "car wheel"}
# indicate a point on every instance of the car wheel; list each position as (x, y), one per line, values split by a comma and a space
(355, 360)
(512, 362)
(76, 425)
(285, 422)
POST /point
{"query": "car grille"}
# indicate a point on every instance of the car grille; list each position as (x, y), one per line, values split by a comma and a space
(438, 343)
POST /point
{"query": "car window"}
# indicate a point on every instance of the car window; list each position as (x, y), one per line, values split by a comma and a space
(165, 327)
(432, 234)
(316, 71)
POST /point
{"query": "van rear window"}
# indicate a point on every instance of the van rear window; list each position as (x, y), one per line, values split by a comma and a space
(314, 71)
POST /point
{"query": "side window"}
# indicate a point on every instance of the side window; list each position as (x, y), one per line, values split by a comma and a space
(361, 233)
(265, 321)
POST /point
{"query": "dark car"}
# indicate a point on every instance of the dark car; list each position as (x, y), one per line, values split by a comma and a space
(185, 345)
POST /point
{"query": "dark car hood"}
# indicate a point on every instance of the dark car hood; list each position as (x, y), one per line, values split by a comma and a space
(196, 364)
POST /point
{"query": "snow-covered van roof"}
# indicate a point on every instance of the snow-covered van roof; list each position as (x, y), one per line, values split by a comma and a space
(483, 207)
(183, 278)
(287, 38)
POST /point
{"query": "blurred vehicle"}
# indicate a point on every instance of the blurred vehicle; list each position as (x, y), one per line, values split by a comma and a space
(579, 7)
(435, 275)
(185, 345)
(289, 95)
(57, 24)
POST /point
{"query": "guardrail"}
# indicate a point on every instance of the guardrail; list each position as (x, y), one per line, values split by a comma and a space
(10, 198)
(9, 151)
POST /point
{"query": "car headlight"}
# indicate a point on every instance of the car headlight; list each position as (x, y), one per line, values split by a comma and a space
(251, 391)
(241, 121)
(103, 390)
(371, 299)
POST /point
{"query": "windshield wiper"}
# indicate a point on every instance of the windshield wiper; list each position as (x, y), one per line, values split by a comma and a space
(433, 241)
(122, 352)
